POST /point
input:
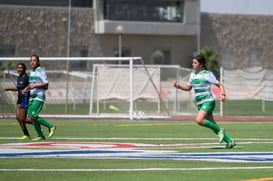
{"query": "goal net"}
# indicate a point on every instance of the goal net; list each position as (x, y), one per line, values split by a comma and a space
(249, 83)
(113, 87)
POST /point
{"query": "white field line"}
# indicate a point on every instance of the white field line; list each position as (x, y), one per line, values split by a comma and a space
(242, 139)
(133, 169)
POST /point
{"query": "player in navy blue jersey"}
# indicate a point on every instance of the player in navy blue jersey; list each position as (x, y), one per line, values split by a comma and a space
(23, 99)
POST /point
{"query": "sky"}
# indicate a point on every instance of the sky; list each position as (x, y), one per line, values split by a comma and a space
(251, 7)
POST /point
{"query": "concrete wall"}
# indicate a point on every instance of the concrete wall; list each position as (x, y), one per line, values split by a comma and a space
(239, 39)
(43, 31)
(181, 47)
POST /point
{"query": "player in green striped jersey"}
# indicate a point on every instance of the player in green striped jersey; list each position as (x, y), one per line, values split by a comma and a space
(37, 87)
(200, 80)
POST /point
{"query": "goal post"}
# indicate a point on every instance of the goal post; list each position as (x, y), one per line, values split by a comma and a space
(104, 86)
(137, 82)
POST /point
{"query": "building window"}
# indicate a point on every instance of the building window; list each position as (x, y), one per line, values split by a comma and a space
(161, 56)
(81, 3)
(78, 52)
(227, 58)
(124, 53)
(144, 10)
(74, 3)
(167, 56)
(255, 57)
(7, 52)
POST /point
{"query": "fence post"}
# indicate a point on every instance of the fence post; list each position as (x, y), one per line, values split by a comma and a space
(131, 111)
(263, 105)
(221, 81)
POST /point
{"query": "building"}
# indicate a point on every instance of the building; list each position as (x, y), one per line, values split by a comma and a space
(132, 28)
(170, 26)
(41, 27)
(239, 40)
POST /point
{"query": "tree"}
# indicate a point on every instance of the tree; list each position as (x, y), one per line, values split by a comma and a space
(6, 66)
(158, 57)
(212, 62)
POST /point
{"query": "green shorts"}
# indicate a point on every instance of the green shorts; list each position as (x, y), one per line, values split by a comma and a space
(34, 108)
(208, 107)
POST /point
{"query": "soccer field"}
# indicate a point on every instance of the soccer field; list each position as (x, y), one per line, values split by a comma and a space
(137, 150)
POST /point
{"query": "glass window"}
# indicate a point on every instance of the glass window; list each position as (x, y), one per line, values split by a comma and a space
(7, 52)
(167, 56)
(74, 3)
(227, 59)
(255, 57)
(161, 56)
(144, 10)
(124, 53)
(78, 52)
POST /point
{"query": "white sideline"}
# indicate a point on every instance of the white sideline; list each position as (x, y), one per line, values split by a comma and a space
(94, 138)
(133, 169)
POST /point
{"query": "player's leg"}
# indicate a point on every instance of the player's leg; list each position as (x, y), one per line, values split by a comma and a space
(226, 138)
(21, 116)
(202, 121)
(18, 115)
(37, 127)
(205, 118)
(45, 123)
(220, 131)
(221, 134)
(32, 118)
(50, 127)
(39, 106)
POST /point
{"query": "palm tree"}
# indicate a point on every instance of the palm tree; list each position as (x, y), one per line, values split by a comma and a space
(212, 61)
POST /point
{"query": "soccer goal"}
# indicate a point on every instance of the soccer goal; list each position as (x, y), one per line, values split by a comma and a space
(114, 87)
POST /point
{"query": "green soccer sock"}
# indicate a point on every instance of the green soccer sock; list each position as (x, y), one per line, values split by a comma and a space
(37, 128)
(227, 138)
(43, 122)
(214, 127)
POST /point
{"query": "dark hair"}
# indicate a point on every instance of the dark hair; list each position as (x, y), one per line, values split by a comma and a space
(37, 57)
(24, 67)
(202, 60)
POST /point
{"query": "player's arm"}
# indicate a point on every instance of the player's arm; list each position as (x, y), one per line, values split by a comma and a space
(182, 87)
(29, 87)
(11, 89)
(42, 85)
(222, 91)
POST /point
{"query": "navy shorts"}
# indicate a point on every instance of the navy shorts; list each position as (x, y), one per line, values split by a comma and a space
(23, 101)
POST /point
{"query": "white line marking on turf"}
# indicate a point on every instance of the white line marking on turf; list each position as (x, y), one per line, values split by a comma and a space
(243, 139)
(133, 169)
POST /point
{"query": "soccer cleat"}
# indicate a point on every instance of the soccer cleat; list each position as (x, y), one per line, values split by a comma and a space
(220, 135)
(38, 139)
(51, 131)
(25, 137)
(230, 145)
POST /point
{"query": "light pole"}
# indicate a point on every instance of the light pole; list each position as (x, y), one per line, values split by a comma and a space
(198, 22)
(68, 54)
(119, 31)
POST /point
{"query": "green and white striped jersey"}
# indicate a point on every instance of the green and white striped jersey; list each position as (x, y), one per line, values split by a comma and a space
(201, 82)
(37, 76)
